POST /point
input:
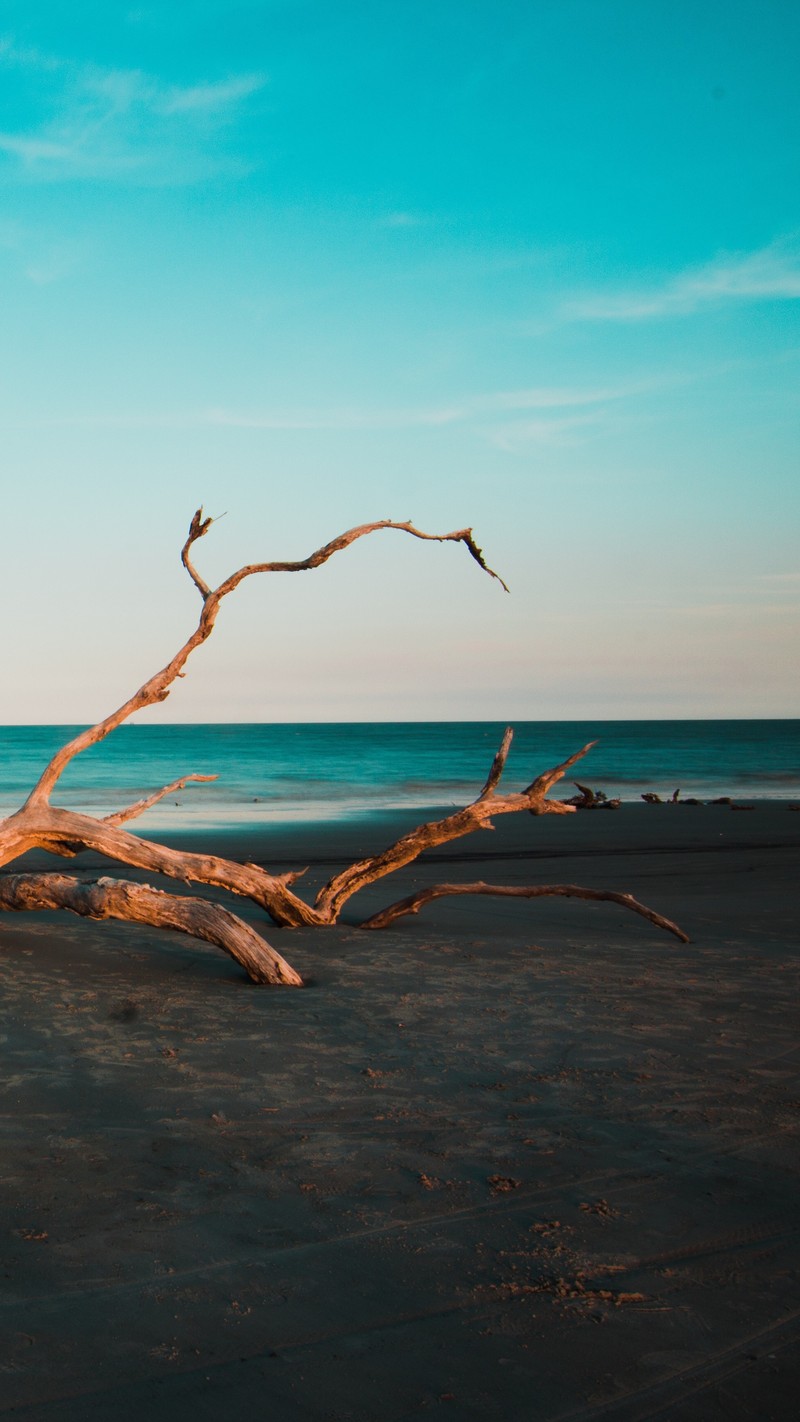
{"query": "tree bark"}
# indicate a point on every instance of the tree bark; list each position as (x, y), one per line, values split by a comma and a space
(416, 901)
(139, 903)
(478, 815)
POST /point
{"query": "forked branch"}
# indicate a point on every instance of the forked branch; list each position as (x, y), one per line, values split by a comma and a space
(157, 687)
(479, 814)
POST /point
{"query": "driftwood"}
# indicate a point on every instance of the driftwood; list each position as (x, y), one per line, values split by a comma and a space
(138, 903)
(415, 902)
(589, 799)
(40, 824)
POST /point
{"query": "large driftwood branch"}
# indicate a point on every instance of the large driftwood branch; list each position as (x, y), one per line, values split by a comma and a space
(414, 902)
(157, 687)
(62, 831)
(139, 903)
(41, 825)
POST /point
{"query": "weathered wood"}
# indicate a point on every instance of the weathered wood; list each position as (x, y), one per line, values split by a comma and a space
(332, 897)
(132, 812)
(62, 831)
(414, 902)
(157, 687)
(589, 799)
(139, 903)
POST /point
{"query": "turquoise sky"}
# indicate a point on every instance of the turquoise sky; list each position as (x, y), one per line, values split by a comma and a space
(533, 267)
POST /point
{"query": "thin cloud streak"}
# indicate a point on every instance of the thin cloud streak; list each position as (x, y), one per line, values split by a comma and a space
(545, 397)
(516, 437)
(37, 150)
(460, 411)
(771, 274)
(112, 123)
(344, 419)
(473, 408)
(211, 97)
(401, 219)
(42, 259)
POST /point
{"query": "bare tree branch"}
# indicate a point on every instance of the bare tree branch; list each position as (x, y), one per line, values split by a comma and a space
(498, 765)
(332, 897)
(416, 901)
(316, 559)
(157, 687)
(54, 829)
(198, 528)
(544, 782)
(138, 903)
(132, 812)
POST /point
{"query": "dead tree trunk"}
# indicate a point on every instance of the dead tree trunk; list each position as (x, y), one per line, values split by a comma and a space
(39, 824)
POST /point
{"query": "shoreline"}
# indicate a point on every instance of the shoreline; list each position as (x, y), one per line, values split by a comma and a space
(338, 772)
(257, 816)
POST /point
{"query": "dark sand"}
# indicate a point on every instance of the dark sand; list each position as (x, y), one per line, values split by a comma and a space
(507, 1160)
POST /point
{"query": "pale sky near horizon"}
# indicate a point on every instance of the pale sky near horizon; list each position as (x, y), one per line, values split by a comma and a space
(532, 267)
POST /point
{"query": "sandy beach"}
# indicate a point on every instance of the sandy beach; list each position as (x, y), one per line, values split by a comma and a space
(505, 1160)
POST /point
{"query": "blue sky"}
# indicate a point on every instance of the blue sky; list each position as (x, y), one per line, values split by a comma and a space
(529, 266)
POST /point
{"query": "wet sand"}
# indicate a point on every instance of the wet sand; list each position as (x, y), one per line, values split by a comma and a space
(505, 1160)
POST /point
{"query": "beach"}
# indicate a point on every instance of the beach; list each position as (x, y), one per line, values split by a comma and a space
(507, 1159)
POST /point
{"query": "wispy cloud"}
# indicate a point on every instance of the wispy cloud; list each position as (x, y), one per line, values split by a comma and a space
(209, 98)
(401, 219)
(42, 259)
(559, 397)
(773, 273)
(348, 418)
(573, 408)
(36, 150)
(520, 435)
(28, 56)
(478, 407)
(117, 123)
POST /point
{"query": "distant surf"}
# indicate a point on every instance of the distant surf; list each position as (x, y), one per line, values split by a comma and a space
(313, 772)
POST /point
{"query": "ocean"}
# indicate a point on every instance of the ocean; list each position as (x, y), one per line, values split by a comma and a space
(314, 772)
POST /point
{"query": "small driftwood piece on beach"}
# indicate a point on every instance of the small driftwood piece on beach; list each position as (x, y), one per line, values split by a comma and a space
(589, 799)
(40, 824)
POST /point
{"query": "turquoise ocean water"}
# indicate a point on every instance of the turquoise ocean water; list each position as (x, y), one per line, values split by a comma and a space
(269, 773)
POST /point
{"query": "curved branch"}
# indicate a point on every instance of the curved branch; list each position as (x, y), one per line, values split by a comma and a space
(415, 902)
(198, 528)
(477, 815)
(132, 812)
(336, 545)
(157, 687)
(139, 903)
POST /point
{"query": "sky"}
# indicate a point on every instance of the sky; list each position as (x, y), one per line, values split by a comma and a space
(531, 266)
